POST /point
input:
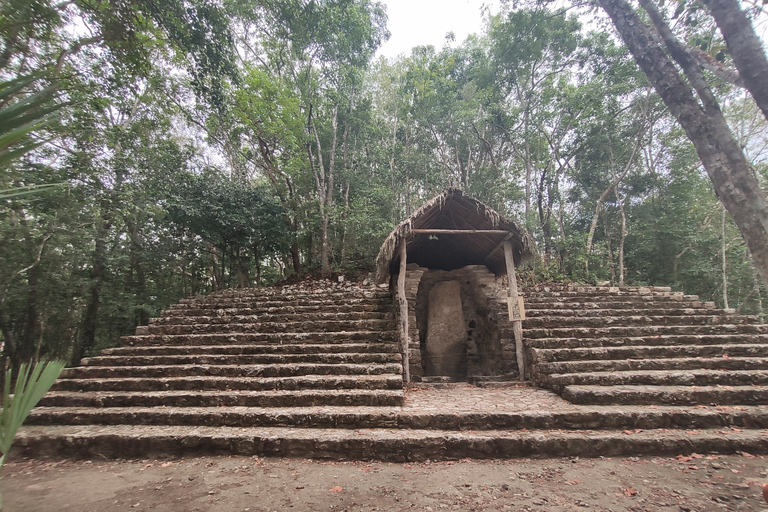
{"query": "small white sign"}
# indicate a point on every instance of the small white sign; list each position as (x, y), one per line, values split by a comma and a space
(516, 308)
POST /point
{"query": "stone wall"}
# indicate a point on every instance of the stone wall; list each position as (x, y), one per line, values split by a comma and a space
(490, 346)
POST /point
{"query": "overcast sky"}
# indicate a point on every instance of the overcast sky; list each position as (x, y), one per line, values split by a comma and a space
(421, 22)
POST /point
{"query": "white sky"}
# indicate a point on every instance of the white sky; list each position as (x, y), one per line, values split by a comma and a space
(421, 22)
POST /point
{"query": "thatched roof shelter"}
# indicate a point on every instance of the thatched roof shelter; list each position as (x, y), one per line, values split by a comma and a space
(460, 231)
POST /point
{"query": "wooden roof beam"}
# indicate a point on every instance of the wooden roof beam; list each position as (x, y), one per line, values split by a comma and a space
(460, 232)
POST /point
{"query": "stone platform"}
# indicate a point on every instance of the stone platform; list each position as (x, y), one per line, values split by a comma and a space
(453, 422)
(315, 371)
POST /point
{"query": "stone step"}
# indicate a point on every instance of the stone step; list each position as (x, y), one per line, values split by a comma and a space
(539, 304)
(646, 330)
(628, 341)
(236, 370)
(390, 445)
(281, 300)
(651, 311)
(562, 322)
(243, 359)
(279, 308)
(681, 363)
(197, 398)
(586, 418)
(667, 395)
(321, 326)
(585, 288)
(279, 338)
(647, 352)
(293, 291)
(660, 378)
(535, 297)
(170, 350)
(276, 318)
(231, 383)
(601, 294)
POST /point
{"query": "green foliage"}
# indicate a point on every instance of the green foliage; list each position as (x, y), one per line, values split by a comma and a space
(32, 382)
(23, 113)
(186, 166)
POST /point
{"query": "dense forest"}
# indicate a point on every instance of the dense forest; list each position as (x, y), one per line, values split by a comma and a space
(156, 149)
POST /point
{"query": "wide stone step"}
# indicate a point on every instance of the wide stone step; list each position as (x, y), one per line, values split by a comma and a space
(661, 378)
(642, 320)
(646, 330)
(682, 363)
(320, 326)
(292, 291)
(667, 395)
(197, 398)
(578, 301)
(232, 383)
(652, 311)
(379, 444)
(279, 301)
(279, 338)
(269, 318)
(628, 341)
(586, 418)
(538, 296)
(543, 303)
(243, 359)
(648, 352)
(170, 350)
(236, 370)
(279, 308)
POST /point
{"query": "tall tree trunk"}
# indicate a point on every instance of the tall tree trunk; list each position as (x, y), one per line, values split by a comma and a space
(139, 281)
(724, 249)
(324, 186)
(623, 235)
(745, 48)
(733, 178)
(344, 221)
(87, 330)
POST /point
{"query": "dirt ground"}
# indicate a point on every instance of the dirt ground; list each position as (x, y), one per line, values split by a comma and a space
(685, 483)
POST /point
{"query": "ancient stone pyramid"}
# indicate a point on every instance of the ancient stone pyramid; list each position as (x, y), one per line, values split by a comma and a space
(314, 370)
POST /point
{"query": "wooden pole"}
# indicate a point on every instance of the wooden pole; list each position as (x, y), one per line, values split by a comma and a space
(499, 246)
(404, 339)
(517, 327)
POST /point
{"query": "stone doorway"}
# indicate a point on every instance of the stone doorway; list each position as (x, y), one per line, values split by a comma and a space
(445, 346)
(462, 325)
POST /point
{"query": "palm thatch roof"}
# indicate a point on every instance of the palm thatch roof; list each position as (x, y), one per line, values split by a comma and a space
(454, 210)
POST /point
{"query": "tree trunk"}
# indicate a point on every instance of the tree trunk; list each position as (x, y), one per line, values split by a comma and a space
(87, 340)
(733, 178)
(724, 248)
(745, 48)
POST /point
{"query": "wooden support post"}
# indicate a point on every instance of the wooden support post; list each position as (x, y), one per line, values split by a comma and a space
(517, 326)
(404, 338)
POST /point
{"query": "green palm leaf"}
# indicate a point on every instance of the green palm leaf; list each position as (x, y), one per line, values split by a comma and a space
(32, 383)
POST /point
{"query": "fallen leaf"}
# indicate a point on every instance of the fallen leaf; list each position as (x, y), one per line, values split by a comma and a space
(336, 488)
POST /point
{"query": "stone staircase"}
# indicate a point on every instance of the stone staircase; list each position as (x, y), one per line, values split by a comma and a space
(644, 346)
(314, 371)
(251, 348)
